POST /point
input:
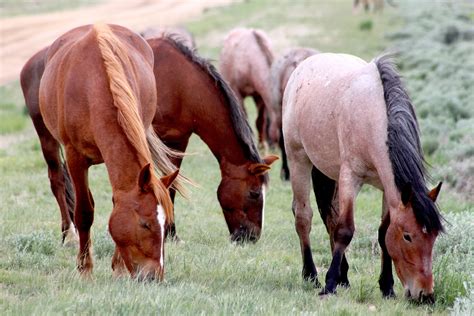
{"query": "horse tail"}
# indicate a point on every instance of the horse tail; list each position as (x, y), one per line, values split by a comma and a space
(115, 57)
(69, 189)
(404, 146)
(161, 155)
(264, 46)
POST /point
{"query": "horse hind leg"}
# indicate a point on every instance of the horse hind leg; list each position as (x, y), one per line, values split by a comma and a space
(59, 180)
(344, 229)
(84, 208)
(300, 182)
(326, 193)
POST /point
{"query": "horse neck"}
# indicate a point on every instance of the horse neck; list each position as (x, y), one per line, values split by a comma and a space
(123, 164)
(214, 126)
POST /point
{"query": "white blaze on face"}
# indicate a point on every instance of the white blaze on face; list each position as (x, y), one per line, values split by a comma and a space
(264, 189)
(161, 220)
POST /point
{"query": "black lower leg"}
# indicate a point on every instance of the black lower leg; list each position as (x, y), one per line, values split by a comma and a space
(386, 276)
(309, 269)
(343, 279)
(333, 274)
(285, 170)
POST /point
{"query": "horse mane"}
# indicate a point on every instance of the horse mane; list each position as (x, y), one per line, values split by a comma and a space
(239, 122)
(264, 46)
(404, 148)
(115, 57)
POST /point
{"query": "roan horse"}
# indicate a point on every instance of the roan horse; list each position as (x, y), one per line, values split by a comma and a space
(97, 97)
(245, 63)
(281, 70)
(193, 98)
(355, 123)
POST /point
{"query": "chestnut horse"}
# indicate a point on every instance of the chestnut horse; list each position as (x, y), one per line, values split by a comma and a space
(179, 33)
(245, 63)
(281, 70)
(355, 123)
(193, 98)
(97, 97)
(242, 188)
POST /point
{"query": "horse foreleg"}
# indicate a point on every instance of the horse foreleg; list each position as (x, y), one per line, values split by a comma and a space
(344, 228)
(170, 229)
(386, 276)
(300, 182)
(84, 208)
(326, 193)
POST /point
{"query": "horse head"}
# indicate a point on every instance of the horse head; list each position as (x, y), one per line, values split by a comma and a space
(410, 246)
(137, 224)
(242, 198)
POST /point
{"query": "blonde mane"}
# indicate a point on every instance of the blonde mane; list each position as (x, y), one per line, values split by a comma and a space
(149, 150)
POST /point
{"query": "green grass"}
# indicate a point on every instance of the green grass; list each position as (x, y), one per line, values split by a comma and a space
(10, 8)
(13, 115)
(207, 274)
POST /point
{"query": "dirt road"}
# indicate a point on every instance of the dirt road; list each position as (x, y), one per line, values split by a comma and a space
(21, 37)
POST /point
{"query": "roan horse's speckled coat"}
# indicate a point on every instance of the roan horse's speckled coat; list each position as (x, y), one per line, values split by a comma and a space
(354, 122)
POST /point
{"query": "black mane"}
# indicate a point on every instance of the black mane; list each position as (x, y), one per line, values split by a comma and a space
(237, 116)
(403, 141)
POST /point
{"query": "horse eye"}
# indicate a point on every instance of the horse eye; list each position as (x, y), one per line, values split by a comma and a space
(145, 225)
(407, 237)
(254, 194)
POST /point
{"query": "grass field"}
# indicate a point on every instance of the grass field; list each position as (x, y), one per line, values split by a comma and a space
(207, 274)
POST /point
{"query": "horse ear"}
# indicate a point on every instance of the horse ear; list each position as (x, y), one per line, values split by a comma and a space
(268, 160)
(144, 178)
(407, 193)
(433, 194)
(168, 179)
(258, 169)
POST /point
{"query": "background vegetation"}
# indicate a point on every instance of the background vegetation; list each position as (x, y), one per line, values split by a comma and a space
(207, 274)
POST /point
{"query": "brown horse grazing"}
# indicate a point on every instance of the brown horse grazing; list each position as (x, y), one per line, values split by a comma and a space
(179, 33)
(281, 70)
(354, 122)
(193, 98)
(97, 97)
(245, 63)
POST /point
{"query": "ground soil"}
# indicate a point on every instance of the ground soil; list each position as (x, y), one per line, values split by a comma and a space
(22, 36)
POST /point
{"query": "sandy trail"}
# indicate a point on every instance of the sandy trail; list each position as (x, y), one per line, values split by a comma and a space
(21, 37)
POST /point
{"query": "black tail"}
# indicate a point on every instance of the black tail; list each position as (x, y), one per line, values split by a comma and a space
(70, 197)
(262, 43)
(404, 147)
(325, 191)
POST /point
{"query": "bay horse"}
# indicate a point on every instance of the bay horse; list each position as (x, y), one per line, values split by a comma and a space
(194, 98)
(281, 70)
(352, 122)
(177, 32)
(97, 97)
(245, 63)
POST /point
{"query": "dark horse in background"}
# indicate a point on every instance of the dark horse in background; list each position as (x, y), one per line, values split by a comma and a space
(349, 122)
(93, 91)
(196, 100)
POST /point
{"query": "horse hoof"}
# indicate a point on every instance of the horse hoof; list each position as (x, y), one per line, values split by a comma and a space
(325, 292)
(70, 237)
(388, 294)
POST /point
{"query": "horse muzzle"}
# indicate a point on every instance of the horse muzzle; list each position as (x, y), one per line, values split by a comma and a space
(245, 235)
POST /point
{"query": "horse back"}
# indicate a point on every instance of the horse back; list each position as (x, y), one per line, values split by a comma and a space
(75, 98)
(334, 107)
